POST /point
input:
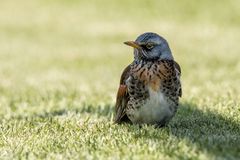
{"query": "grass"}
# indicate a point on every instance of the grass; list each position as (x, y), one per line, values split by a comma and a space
(60, 64)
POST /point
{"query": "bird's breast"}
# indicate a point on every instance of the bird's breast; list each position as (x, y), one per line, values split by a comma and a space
(154, 109)
(155, 106)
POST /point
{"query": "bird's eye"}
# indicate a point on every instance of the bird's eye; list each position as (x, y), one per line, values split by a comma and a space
(149, 45)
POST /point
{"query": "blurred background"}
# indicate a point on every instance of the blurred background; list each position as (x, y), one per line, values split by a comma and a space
(61, 54)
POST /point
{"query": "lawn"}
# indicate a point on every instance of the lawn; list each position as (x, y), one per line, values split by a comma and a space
(60, 65)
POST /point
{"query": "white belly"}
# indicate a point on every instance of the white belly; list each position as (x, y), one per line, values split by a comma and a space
(155, 109)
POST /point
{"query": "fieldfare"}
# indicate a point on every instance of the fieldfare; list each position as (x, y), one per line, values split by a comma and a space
(150, 86)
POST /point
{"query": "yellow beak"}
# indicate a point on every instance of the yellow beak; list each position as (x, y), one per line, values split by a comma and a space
(133, 44)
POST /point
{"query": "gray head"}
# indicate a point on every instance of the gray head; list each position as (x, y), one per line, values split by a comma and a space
(150, 46)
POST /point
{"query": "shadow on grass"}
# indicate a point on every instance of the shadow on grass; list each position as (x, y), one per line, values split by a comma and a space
(100, 111)
(208, 131)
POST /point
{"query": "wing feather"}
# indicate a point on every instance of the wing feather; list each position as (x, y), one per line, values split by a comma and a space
(178, 68)
(122, 98)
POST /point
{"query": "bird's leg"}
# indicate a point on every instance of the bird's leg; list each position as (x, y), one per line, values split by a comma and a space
(162, 123)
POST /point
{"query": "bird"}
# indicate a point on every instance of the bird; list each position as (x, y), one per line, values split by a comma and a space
(150, 87)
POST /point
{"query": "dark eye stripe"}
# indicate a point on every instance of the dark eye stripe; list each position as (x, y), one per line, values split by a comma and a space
(147, 46)
(144, 47)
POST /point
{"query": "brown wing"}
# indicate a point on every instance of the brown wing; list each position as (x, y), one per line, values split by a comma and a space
(171, 70)
(178, 68)
(122, 98)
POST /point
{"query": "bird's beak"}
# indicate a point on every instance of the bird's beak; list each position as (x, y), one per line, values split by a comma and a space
(133, 44)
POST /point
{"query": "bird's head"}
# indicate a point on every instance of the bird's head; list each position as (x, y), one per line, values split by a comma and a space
(150, 46)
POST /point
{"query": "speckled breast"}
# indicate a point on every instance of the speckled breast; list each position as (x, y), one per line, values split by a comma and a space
(148, 102)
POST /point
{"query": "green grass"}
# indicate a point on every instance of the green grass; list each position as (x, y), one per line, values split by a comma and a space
(60, 64)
